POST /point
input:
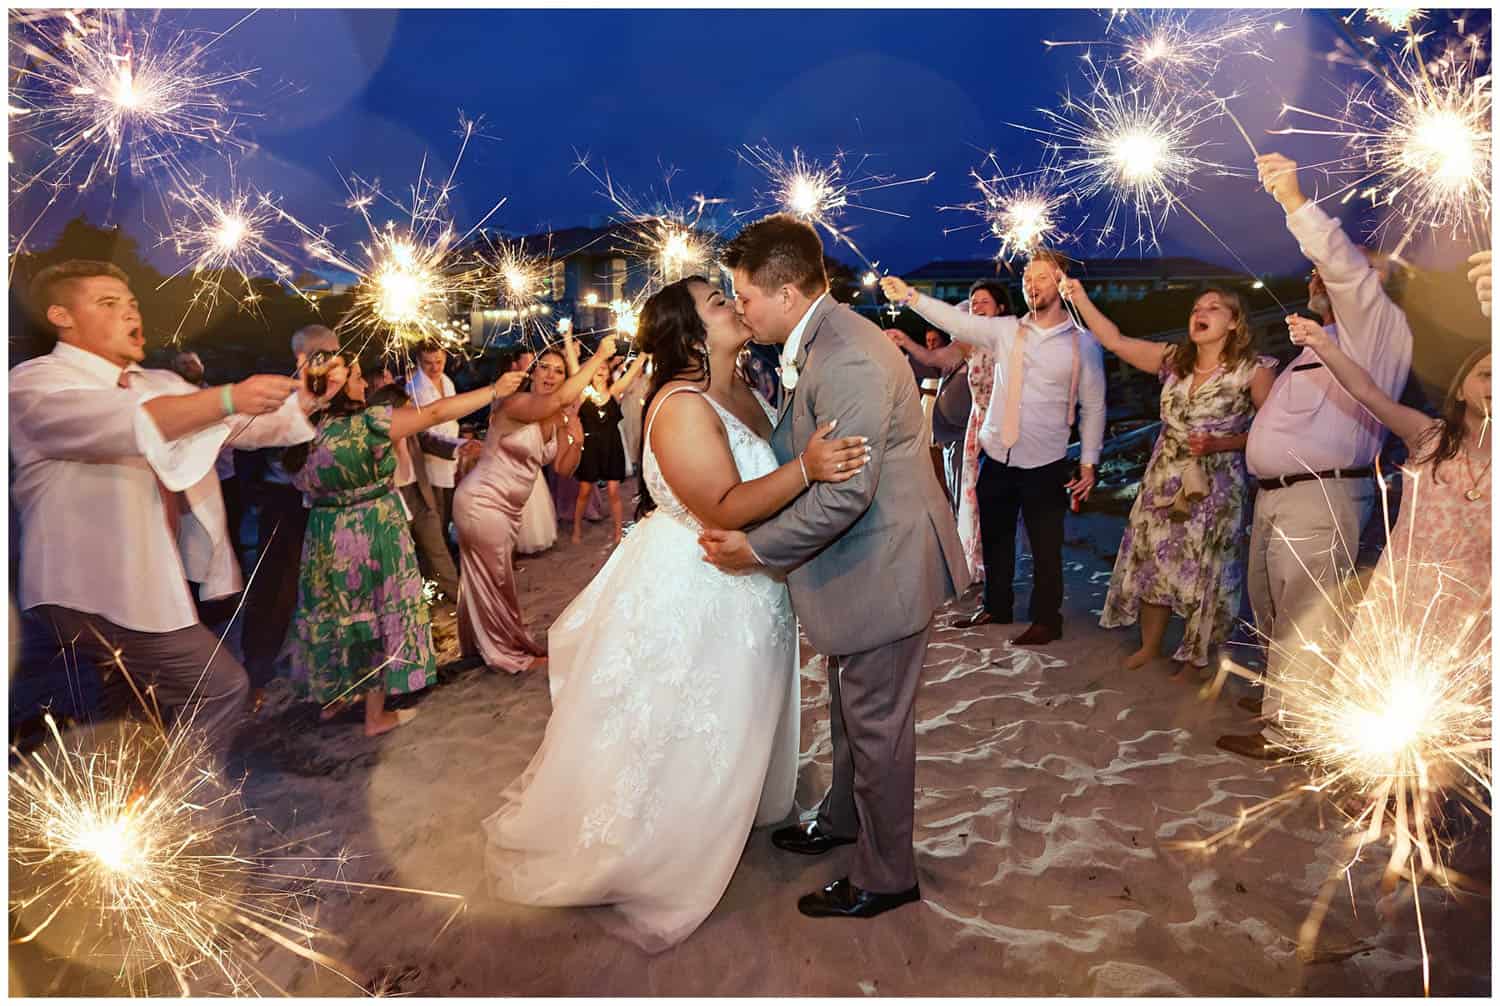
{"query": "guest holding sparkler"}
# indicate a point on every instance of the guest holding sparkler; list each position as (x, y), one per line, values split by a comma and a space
(603, 447)
(361, 625)
(1183, 552)
(987, 299)
(1442, 574)
(1044, 367)
(428, 384)
(1312, 445)
(119, 503)
(526, 431)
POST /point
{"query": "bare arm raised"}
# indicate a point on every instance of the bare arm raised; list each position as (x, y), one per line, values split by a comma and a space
(530, 406)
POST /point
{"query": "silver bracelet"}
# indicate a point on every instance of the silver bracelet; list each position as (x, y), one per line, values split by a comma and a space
(803, 465)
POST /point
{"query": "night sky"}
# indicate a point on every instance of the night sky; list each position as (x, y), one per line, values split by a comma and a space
(369, 92)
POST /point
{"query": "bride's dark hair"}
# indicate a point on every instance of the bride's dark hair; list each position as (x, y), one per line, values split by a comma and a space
(673, 333)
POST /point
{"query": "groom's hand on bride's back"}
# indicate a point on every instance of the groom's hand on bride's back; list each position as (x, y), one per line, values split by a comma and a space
(728, 550)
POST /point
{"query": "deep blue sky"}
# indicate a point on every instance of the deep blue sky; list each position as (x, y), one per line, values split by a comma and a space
(370, 92)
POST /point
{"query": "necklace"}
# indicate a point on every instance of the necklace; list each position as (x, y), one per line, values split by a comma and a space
(1472, 494)
(1200, 370)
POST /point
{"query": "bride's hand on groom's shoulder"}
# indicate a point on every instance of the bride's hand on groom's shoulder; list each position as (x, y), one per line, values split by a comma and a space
(834, 460)
(728, 550)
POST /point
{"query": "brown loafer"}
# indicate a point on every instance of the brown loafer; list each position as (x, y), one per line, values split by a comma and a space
(1037, 635)
(1250, 746)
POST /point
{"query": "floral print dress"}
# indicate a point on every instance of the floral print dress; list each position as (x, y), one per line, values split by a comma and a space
(359, 600)
(981, 384)
(1196, 567)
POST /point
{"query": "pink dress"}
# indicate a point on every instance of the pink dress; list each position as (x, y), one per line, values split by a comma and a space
(981, 383)
(487, 507)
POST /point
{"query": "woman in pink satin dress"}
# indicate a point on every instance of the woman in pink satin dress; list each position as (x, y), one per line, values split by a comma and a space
(527, 430)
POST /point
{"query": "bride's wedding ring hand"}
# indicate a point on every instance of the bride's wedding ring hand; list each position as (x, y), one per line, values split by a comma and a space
(834, 460)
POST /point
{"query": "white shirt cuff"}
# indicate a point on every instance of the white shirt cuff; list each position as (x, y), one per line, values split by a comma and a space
(182, 462)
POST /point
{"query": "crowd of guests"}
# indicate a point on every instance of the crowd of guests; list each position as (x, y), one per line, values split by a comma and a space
(1258, 478)
(1261, 479)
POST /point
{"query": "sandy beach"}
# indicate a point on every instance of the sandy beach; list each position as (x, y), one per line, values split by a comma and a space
(1052, 786)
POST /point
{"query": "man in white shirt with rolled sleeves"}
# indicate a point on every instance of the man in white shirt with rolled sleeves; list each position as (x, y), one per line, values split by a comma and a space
(1312, 448)
(117, 494)
(1045, 366)
(426, 386)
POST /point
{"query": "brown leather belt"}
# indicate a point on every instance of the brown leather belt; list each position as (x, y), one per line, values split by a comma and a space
(1336, 473)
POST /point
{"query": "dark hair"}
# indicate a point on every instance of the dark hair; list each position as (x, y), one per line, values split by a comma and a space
(294, 457)
(430, 346)
(392, 394)
(531, 371)
(673, 333)
(996, 289)
(778, 250)
(56, 282)
(1237, 347)
(1447, 440)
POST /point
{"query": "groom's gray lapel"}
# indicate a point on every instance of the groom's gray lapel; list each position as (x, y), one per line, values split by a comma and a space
(809, 334)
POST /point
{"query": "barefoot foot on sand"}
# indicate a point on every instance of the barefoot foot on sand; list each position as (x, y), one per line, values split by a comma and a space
(388, 721)
(1139, 659)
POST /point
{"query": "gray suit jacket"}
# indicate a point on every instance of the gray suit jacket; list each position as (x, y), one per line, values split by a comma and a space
(872, 558)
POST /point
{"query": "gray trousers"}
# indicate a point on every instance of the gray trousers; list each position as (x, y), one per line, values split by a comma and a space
(872, 708)
(193, 677)
(432, 545)
(1303, 544)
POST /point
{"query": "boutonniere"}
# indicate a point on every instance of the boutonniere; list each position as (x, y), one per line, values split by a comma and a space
(789, 376)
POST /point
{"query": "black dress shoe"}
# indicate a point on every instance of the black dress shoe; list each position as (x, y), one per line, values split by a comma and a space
(982, 617)
(1037, 635)
(807, 839)
(842, 900)
(1252, 746)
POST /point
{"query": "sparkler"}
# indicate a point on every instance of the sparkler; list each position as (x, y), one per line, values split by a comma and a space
(411, 273)
(89, 96)
(1022, 211)
(226, 243)
(521, 281)
(1417, 140)
(1389, 710)
(1177, 49)
(818, 193)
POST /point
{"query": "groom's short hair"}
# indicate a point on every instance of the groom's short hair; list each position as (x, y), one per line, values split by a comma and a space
(778, 250)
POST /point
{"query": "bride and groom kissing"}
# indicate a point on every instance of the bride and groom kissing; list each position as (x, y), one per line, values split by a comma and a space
(675, 726)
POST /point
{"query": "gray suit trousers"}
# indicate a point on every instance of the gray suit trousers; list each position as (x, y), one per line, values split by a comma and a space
(432, 545)
(872, 705)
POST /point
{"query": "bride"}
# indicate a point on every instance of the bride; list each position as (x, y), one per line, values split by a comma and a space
(676, 717)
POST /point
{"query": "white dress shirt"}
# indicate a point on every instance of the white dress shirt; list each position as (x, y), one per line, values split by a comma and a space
(441, 471)
(1309, 422)
(1047, 380)
(94, 532)
(793, 346)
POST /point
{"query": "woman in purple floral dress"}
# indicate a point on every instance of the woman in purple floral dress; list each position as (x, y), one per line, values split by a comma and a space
(1182, 554)
(360, 624)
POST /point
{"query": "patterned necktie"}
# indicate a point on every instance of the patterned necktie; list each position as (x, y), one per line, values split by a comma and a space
(171, 502)
(1010, 418)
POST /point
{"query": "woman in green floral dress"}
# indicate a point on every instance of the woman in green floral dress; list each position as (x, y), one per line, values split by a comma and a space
(1183, 555)
(360, 624)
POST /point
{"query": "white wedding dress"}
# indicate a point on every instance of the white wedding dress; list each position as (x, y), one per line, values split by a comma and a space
(674, 729)
(538, 529)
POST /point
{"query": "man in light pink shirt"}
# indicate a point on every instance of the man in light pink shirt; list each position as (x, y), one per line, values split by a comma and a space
(1312, 447)
(118, 500)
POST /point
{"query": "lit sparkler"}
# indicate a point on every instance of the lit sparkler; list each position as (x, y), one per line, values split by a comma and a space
(1418, 141)
(1389, 711)
(521, 282)
(1392, 18)
(90, 96)
(412, 273)
(227, 243)
(1022, 211)
(820, 193)
(1178, 49)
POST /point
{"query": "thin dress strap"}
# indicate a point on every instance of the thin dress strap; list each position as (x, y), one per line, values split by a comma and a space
(646, 440)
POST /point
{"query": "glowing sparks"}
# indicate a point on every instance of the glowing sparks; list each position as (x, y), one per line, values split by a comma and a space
(1133, 145)
(1418, 141)
(820, 193)
(520, 280)
(229, 243)
(90, 97)
(1177, 48)
(1393, 18)
(627, 318)
(413, 272)
(1022, 211)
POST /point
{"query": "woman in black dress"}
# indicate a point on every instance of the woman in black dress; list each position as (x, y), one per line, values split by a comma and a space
(603, 449)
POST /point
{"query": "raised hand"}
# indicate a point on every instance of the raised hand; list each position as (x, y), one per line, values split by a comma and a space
(606, 348)
(508, 384)
(1306, 332)
(834, 460)
(895, 288)
(1278, 176)
(263, 393)
(1479, 275)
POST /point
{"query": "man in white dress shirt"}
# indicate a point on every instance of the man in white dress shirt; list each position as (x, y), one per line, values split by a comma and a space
(117, 494)
(427, 385)
(1312, 447)
(1023, 468)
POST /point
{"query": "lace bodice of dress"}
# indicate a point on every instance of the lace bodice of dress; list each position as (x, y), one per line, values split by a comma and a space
(753, 458)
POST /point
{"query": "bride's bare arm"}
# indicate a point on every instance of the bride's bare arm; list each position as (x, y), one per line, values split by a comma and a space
(693, 453)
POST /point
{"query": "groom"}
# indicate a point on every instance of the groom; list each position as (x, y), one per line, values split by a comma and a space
(867, 560)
